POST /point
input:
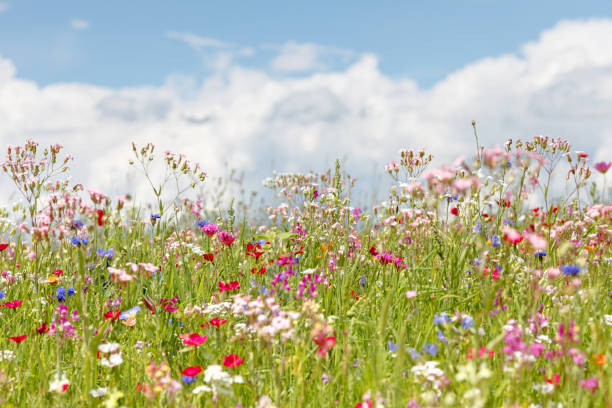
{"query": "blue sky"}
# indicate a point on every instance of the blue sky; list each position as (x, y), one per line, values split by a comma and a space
(126, 42)
(290, 86)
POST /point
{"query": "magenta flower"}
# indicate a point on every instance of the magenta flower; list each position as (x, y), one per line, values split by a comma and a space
(589, 384)
(226, 237)
(603, 167)
(193, 339)
(209, 229)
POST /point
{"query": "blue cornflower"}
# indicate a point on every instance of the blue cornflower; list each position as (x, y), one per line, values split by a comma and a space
(71, 291)
(477, 229)
(363, 280)
(61, 293)
(202, 223)
(467, 322)
(540, 254)
(2, 294)
(79, 241)
(105, 253)
(508, 222)
(188, 380)
(442, 318)
(77, 224)
(392, 346)
(414, 354)
(570, 269)
(441, 337)
(156, 216)
(430, 349)
(495, 242)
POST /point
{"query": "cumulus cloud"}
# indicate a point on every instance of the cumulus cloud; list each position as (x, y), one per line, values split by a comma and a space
(79, 24)
(559, 85)
(299, 57)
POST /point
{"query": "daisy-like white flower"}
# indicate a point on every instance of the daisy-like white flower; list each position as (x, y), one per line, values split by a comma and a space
(99, 392)
(108, 347)
(112, 361)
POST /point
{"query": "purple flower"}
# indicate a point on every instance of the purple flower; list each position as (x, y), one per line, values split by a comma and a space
(570, 269)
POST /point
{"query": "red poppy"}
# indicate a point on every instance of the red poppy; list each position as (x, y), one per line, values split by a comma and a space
(455, 211)
(112, 314)
(14, 304)
(217, 322)
(325, 345)
(261, 271)
(43, 328)
(228, 286)
(232, 361)
(373, 251)
(252, 250)
(58, 272)
(193, 339)
(209, 257)
(18, 339)
(192, 371)
(3, 246)
(100, 218)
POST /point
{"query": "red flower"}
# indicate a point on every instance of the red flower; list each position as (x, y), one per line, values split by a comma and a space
(100, 218)
(3, 246)
(193, 339)
(232, 361)
(112, 314)
(208, 257)
(252, 250)
(455, 211)
(325, 345)
(149, 304)
(192, 371)
(228, 286)
(18, 339)
(42, 329)
(217, 322)
(373, 251)
(261, 271)
(14, 304)
(226, 237)
(58, 272)
(555, 379)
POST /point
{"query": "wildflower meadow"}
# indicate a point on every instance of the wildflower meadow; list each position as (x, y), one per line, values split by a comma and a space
(480, 283)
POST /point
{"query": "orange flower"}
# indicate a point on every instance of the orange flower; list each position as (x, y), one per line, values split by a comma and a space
(600, 359)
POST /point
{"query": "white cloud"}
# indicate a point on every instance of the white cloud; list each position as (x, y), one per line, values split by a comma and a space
(299, 57)
(79, 24)
(197, 42)
(558, 85)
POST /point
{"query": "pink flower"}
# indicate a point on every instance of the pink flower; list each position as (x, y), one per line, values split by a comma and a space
(209, 229)
(511, 235)
(232, 361)
(193, 339)
(226, 237)
(589, 384)
(411, 293)
(603, 167)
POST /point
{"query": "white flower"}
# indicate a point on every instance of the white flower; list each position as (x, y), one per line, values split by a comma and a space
(608, 320)
(99, 392)
(108, 347)
(201, 388)
(265, 402)
(7, 355)
(544, 388)
(112, 361)
(59, 383)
